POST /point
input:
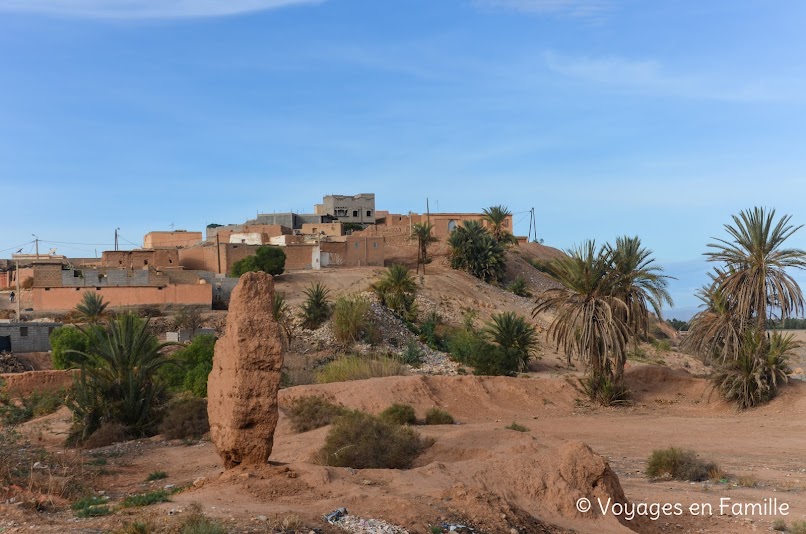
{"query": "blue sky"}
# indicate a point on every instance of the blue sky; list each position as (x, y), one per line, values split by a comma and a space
(609, 117)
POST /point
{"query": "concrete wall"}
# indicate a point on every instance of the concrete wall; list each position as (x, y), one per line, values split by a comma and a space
(173, 239)
(350, 208)
(302, 257)
(64, 298)
(28, 337)
(353, 251)
(139, 259)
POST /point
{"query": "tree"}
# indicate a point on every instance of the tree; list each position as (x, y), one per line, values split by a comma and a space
(756, 263)
(118, 382)
(716, 331)
(269, 259)
(282, 314)
(475, 250)
(188, 318)
(65, 341)
(316, 308)
(193, 364)
(496, 216)
(512, 333)
(589, 320)
(396, 290)
(422, 231)
(639, 283)
(92, 307)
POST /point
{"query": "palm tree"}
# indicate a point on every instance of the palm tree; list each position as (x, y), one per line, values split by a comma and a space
(422, 231)
(589, 319)
(118, 382)
(511, 332)
(496, 216)
(639, 282)
(92, 307)
(396, 290)
(475, 250)
(715, 332)
(316, 308)
(282, 314)
(756, 265)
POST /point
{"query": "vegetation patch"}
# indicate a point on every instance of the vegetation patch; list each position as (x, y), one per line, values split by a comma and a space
(185, 419)
(362, 441)
(516, 427)
(35, 405)
(145, 499)
(679, 464)
(268, 259)
(358, 368)
(351, 319)
(157, 475)
(316, 308)
(91, 507)
(399, 414)
(435, 416)
(190, 366)
(311, 412)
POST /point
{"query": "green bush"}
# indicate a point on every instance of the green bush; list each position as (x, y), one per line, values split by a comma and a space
(351, 318)
(429, 331)
(156, 475)
(605, 390)
(519, 287)
(361, 441)
(65, 341)
(308, 413)
(399, 414)
(435, 416)
(475, 250)
(412, 354)
(185, 419)
(145, 499)
(269, 259)
(192, 365)
(515, 337)
(356, 368)
(678, 464)
(91, 507)
(316, 308)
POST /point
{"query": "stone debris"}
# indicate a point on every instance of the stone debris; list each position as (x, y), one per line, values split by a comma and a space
(242, 387)
(10, 364)
(360, 525)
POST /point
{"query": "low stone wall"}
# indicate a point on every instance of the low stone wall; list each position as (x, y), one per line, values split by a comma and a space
(23, 384)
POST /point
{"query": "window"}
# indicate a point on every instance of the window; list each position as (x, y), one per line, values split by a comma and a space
(369, 213)
(78, 289)
(451, 225)
(23, 331)
(145, 262)
(47, 289)
(355, 213)
(51, 329)
(97, 289)
(375, 245)
(356, 245)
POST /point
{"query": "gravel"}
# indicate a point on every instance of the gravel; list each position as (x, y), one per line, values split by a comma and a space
(360, 525)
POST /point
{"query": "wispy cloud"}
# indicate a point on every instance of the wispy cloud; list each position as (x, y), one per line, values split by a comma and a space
(650, 76)
(121, 9)
(572, 8)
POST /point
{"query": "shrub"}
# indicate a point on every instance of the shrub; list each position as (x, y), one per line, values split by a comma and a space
(269, 259)
(361, 441)
(429, 331)
(350, 318)
(412, 354)
(196, 523)
(435, 416)
(308, 413)
(797, 527)
(396, 290)
(156, 475)
(678, 464)
(605, 390)
(779, 525)
(91, 507)
(282, 314)
(399, 414)
(192, 365)
(145, 499)
(316, 308)
(356, 368)
(106, 434)
(119, 382)
(65, 341)
(35, 405)
(516, 427)
(519, 287)
(185, 418)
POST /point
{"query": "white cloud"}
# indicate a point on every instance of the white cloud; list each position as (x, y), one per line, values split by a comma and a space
(651, 77)
(573, 8)
(145, 8)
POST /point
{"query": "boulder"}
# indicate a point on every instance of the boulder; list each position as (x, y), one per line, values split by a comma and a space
(242, 387)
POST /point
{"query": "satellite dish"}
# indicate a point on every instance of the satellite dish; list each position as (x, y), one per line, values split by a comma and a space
(51, 252)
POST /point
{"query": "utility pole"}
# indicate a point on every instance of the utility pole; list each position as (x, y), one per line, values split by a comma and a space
(218, 250)
(116, 238)
(37, 245)
(19, 294)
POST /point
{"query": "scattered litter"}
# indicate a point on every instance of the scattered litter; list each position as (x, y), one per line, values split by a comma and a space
(359, 525)
(453, 527)
(335, 515)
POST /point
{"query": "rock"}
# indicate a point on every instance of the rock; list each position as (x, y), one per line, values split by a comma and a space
(242, 387)
(199, 482)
